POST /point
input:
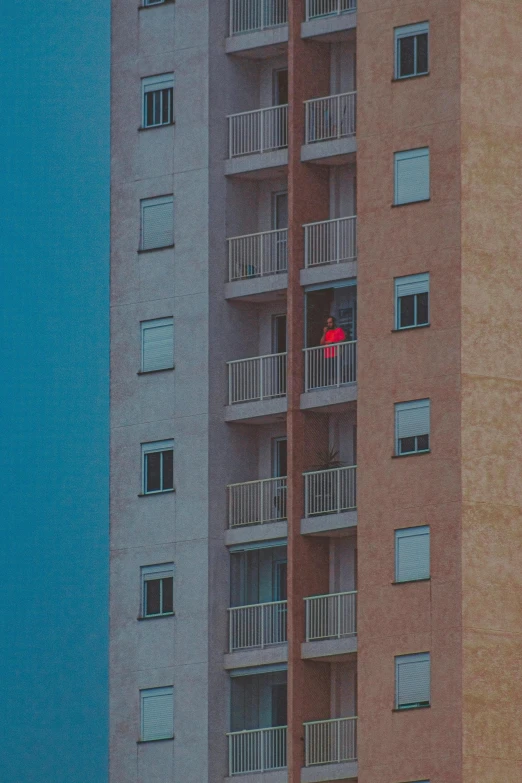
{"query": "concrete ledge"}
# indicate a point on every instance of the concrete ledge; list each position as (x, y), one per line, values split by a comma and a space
(326, 524)
(326, 648)
(249, 533)
(277, 776)
(338, 151)
(255, 410)
(256, 286)
(331, 395)
(257, 165)
(346, 771)
(329, 25)
(326, 272)
(246, 658)
(247, 43)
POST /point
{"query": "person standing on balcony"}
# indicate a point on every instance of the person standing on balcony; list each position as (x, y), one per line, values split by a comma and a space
(331, 334)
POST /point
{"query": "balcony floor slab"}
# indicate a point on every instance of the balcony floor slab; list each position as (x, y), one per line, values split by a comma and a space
(333, 28)
(259, 44)
(276, 776)
(247, 534)
(334, 525)
(262, 289)
(326, 649)
(325, 273)
(345, 771)
(256, 657)
(261, 165)
(258, 411)
(330, 395)
(335, 152)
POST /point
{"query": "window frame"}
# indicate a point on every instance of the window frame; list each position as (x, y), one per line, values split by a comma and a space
(407, 532)
(155, 323)
(148, 3)
(152, 448)
(155, 201)
(165, 690)
(157, 83)
(412, 658)
(412, 405)
(152, 573)
(398, 157)
(422, 277)
(410, 31)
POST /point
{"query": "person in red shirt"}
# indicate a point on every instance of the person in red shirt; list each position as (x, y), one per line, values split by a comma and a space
(331, 334)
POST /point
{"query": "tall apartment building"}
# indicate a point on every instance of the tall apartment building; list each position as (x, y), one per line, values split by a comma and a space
(316, 548)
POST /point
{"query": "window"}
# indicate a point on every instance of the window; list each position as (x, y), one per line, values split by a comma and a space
(153, 2)
(411, 50)
(412, 427)
(412, 301)
(157, 714)
(157, 344)
(158, 96)
(412, 554)
(157, 222)
(157, 590)
(412, 681)
(158, 466)
(412, 176)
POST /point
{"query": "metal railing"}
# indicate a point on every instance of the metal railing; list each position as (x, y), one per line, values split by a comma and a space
(256, 255)
(261, 130)
(257, 502)
(330, 241)
(250, 16)
(315, 8)
(330, 491)
(259, 378)
(257, 750)
(257, 625)
(330, 741)
(332, 117)
(331, 616)
(333, 364)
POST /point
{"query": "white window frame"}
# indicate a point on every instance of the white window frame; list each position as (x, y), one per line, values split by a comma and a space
(411, 284)
(145, 203)
(147, 693)
(412, 658)
(398, 158)
(156, 323)
(408, 532)
(162, 81)
(412, 405)
(411, 31)
(153, 573)
(151, 448)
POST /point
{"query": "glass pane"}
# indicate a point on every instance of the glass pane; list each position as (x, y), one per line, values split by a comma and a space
(149, 108)
(168, 469)
(166, 106)
(422, 309)
(152, 597)
(152, 472)
(406, 445)
(157, 107)
(406, 311)
(423, 442)
(168, 597)
(422, 53)
(406, 56)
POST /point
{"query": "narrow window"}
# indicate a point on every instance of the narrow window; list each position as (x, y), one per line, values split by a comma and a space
(412, 681)
(158, 97)
(411, 50)
(157, 344)
(157, 714)
(412, 301)
(412, 554)
(412, 427)
(157, 222)
(412, 176)
(158, 466)
(157, 590)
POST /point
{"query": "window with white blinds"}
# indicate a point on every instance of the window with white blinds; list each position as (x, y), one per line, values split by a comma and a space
(157, 344)
(157, 222)
(412, 554)
(157, 714)
(412, 301)
(158, 99)
(412, 176)
(412, 681)
(412, 427)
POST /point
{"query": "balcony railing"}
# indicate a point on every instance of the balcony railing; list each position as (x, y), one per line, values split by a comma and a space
(256, 255)
(262, 130)
(330, 118)
(333, 364)
(330, 241)
(258, 750)
(331, 616)
(257, 625)
(259, 378)
(257, 502)
(330, 741)
(250, 16)
(316, 8)
(330, 491)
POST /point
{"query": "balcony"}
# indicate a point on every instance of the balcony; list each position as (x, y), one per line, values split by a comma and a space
(330, 374)
(330, 500)
(330, 750)
(258, 141)
(330, 129)
(257, 626)
(329, 17)
(256, 24)
(331, 625)
(257, 750)
(330, 250)
(256, 387)
(257, 502)
(257, 263)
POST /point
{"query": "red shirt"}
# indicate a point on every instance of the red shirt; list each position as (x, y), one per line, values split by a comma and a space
(336, 335)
